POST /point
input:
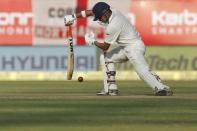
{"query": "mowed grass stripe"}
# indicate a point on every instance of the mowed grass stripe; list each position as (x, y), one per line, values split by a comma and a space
(62, 105)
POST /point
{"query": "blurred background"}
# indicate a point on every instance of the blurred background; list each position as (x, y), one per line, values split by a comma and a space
(33, 38)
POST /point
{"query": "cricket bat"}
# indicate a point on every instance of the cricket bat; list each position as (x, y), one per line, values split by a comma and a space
(70, 54)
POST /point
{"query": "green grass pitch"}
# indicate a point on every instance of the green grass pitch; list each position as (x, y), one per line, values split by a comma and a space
(73, 106)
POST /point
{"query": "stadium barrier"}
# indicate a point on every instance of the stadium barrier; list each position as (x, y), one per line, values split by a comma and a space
(49, 63)
(91, 75)
(174, 23)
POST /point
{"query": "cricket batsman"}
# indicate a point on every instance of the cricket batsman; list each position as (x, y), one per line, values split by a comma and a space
(118, 29)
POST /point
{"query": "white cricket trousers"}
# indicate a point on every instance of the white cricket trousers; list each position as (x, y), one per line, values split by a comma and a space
(135, 54)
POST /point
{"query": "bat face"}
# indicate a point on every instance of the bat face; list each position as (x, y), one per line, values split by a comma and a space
(70, 55)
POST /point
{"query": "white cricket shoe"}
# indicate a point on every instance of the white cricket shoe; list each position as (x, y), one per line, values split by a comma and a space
(113, 92)
(166, 91)
(102, 93)
(110, 93)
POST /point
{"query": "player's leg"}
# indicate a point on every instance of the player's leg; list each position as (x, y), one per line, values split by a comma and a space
(108, 67)
(135, 54)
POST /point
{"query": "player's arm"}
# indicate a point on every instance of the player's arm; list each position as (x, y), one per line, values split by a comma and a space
(70, 19)
(90, 40)
(104, 46)
(84, 13)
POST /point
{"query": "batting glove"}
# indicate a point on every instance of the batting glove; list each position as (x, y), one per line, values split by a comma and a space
(69, 19)
(90, 38)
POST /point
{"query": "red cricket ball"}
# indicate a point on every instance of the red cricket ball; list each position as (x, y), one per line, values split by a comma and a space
(80, 79)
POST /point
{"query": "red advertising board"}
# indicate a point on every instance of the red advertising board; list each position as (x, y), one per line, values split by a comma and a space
(15, 22)
(159, 22)
(166, 22)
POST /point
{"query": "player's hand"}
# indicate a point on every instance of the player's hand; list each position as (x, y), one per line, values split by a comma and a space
(69, 19)
(90, 38)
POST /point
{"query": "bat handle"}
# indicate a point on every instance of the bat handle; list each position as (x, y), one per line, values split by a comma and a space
(69, 31)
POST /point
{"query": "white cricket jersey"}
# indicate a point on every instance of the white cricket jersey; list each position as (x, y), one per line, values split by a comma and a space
(120, 30)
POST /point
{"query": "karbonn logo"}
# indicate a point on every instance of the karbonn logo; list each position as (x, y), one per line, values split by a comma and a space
(15, 18)
(165, 18)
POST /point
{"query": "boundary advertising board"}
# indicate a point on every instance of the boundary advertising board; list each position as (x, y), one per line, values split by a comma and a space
(42, 22)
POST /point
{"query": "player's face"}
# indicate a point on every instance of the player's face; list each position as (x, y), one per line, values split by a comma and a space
(105, 17)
